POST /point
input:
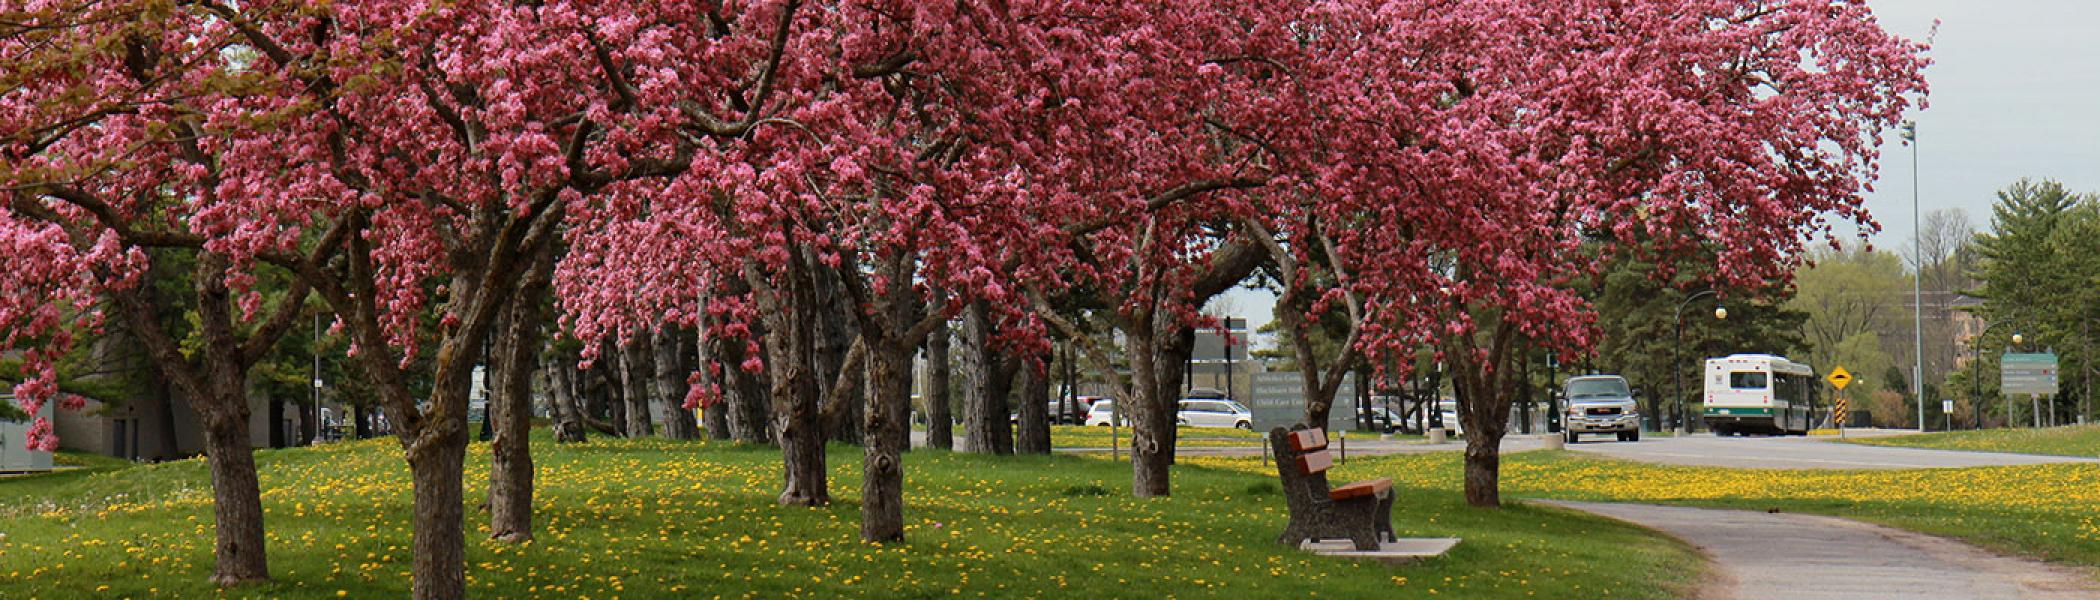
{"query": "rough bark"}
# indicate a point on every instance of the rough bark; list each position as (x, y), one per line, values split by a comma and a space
(597, 390)
(835, 332)
(164, 421)
(672, 355)
(745, 395)
(236, 496)
(1159, 359)
(888, 432)
(987, 379)
(707, 352)
(214, 382)
(635, 373)
(561, 391)
(940, 420)
(440, 538)
(275, 421)
(1485, 390)
(1032, 435)
(795, 386)
(363, 427)
(510, 409)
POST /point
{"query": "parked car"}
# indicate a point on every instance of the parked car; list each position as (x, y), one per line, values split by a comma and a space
(1214, 413)
(1387, 420)
(1078, 415)
(1447, 412)
(1102, 413)
(1600, 404)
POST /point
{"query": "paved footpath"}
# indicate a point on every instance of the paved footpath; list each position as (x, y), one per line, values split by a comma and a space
(1760, 555)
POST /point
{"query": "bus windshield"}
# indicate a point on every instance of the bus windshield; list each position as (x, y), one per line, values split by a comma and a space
(1597, 388)
(1747, 380)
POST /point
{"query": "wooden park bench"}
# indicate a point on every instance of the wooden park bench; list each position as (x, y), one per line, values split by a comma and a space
(1360, 512)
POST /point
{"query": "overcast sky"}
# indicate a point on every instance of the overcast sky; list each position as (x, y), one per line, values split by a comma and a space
(2015, 93)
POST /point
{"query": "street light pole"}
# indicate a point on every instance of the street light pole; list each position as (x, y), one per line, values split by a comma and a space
(1917, 293)
(1677, 358)
(318, 423)
(2009, 423)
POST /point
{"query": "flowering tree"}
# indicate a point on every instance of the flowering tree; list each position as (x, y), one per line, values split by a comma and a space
(1698, 126)
(110, 155)
(427, 155)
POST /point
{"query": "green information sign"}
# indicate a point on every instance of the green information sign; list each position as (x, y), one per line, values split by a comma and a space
(2028, 373)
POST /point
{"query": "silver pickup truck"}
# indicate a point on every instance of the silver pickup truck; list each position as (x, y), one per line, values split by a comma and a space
(1601, 404)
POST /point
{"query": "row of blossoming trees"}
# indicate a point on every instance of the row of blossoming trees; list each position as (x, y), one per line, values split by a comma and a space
(1443, 172)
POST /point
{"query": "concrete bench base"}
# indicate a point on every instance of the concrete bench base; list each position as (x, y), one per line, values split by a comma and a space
(1402, 550)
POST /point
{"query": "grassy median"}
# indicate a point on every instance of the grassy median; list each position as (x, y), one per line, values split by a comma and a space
(2077, 440)
(647, 518)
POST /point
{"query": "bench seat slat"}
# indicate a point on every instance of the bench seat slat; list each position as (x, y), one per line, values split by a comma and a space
(1361, 489)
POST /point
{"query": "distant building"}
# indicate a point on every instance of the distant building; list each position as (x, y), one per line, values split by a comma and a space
(1968, 327)
(141, 430)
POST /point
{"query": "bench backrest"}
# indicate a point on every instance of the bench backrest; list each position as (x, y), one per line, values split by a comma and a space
(1311, 448)
(1302, 461)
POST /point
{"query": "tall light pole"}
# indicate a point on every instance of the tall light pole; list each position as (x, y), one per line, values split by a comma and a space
(318, 423)
(1677, 357)
(2009, 424)
(1917, 280)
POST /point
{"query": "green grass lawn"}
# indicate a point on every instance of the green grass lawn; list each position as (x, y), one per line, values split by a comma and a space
(2076, 440)
(650, 518)
(2042, 511)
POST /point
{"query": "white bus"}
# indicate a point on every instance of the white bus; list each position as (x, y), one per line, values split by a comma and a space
(1759, 393)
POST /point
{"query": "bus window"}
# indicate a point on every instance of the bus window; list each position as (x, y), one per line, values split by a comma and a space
(1746, 380)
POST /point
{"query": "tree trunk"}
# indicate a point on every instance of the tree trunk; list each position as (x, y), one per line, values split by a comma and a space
(440, 539)
(510, 409)
(796, 389)
(597, 388)
(309, 421)
(363, 428)
(987, 380)
(882, 469)
(1159, 355)
(164, 421)
(744, 394)
(276, 422)
(561, 391)
(844, 421)
(672, 354)
(835, 332)
(940, 420)
(1033, 434)
(635, 373)
(1484, 394)
(236, 495)
(713, 377)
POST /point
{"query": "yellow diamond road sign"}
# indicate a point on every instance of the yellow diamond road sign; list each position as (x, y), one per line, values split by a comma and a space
(1839, 377)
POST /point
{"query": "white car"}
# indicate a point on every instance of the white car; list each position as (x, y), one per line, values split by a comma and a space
(1448, 412)
(1101, 413)
(1215, 413)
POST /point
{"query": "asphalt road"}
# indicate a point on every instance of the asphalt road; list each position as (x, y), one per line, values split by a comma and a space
(1700, 449)
(1807, 557)
(1800, 453)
